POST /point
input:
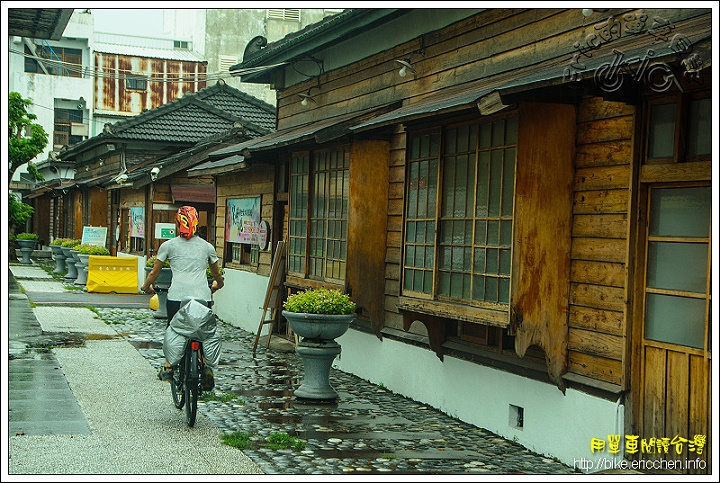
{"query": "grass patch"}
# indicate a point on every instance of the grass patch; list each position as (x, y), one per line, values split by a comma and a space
(211, 396)
(238, 440)
(284, 441)
(241, 441)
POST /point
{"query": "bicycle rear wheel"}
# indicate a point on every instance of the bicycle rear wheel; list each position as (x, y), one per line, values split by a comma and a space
(192, 386)
(176, 384)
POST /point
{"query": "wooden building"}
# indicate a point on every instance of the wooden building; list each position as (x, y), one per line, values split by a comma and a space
(519, 202)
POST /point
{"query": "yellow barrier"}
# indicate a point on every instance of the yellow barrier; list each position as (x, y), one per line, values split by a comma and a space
(112, 274)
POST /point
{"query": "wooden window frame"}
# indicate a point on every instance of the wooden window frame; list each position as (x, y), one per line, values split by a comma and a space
(438, 218)
(304, 213)
(682, 113)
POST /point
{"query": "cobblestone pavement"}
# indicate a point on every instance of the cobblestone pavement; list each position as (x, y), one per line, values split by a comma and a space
(368, 430)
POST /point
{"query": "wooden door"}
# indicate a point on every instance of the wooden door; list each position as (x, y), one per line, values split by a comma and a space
(675, 352)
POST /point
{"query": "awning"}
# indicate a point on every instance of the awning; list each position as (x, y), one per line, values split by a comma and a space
(224, 165)
(488, 94)
(319, 131)
(197, 193)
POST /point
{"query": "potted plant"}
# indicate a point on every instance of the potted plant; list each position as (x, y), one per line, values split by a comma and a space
(88, 249)
(209, 274)
(318, 316)
(26, 240)
(67, 247)
(56, 247)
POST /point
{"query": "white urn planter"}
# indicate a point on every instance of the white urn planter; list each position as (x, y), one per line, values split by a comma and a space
(59, 259)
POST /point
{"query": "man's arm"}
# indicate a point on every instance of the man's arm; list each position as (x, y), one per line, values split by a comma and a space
(218, 281)
(147, 287)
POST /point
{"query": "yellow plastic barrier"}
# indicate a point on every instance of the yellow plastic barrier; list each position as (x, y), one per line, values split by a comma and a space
(112, 274)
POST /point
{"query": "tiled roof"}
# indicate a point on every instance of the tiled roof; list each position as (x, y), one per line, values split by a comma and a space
(189, 119)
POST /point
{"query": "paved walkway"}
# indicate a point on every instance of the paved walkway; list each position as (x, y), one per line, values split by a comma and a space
(367, 431)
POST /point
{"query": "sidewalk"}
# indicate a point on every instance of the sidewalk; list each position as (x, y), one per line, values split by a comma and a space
(132, 426)
(368, 431)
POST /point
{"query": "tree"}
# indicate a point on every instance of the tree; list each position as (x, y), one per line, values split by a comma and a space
(23, 149)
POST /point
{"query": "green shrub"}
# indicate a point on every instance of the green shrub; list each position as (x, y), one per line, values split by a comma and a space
(27, 236)
(320, 301)
(87, 249)
(209, 274)
(58, 241)
(71, 243)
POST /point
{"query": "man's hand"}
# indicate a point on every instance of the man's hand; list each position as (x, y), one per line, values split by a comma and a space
(148, 289)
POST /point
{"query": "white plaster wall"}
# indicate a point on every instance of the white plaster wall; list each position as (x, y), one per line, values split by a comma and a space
(555, 425)
(240, 301)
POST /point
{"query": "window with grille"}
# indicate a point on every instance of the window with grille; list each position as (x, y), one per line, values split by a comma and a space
(136, 83)
(63, 129)
(459, 213)
(59, 61)
(318, 218)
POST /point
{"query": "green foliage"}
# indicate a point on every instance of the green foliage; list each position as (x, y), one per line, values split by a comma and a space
(209, 274)
(58, 241)
(87, 249)
(284, 441)
(237, 440)
(23, 149)
(19, 212)
(71, 243)
(27, 236)
(211, 396)
(151, 261)
(320, 301)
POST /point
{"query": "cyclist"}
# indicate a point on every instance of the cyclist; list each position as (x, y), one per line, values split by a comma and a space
(189, 256)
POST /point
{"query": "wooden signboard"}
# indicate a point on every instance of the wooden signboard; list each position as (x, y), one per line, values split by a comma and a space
(273, 296)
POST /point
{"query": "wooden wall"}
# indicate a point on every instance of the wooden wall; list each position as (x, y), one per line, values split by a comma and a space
(597, 322)
(259, 180)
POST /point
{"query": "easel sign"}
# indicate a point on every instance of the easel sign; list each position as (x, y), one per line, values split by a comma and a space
(273, 295)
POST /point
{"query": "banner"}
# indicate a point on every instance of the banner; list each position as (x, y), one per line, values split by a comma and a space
(137, 222)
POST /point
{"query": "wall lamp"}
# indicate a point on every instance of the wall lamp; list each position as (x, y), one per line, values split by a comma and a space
(406, 64)
(308, 96)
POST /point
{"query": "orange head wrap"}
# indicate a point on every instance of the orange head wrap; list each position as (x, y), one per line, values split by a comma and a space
(187, 218)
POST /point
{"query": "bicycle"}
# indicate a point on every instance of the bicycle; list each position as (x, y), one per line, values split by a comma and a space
(195, 324)
(187, 381)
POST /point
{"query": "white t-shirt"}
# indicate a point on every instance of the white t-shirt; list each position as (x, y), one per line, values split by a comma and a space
(189, 258)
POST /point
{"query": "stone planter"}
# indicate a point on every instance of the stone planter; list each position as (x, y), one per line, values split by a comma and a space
(318, 350)
(82, 269)
(59, 259)
(161, 286)
(70, 262)
(26, 249)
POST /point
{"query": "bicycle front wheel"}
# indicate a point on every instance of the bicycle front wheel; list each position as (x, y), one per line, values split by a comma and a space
(192, 386)
(176, 385)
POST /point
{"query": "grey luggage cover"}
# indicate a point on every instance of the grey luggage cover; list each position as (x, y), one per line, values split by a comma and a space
(194, 320)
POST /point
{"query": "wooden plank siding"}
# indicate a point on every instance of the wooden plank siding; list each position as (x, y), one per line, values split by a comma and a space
(597, 322)
(258, 181)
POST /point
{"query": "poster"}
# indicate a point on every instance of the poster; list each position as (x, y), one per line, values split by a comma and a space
(242, 220)
(94, 235)
(137, 222)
